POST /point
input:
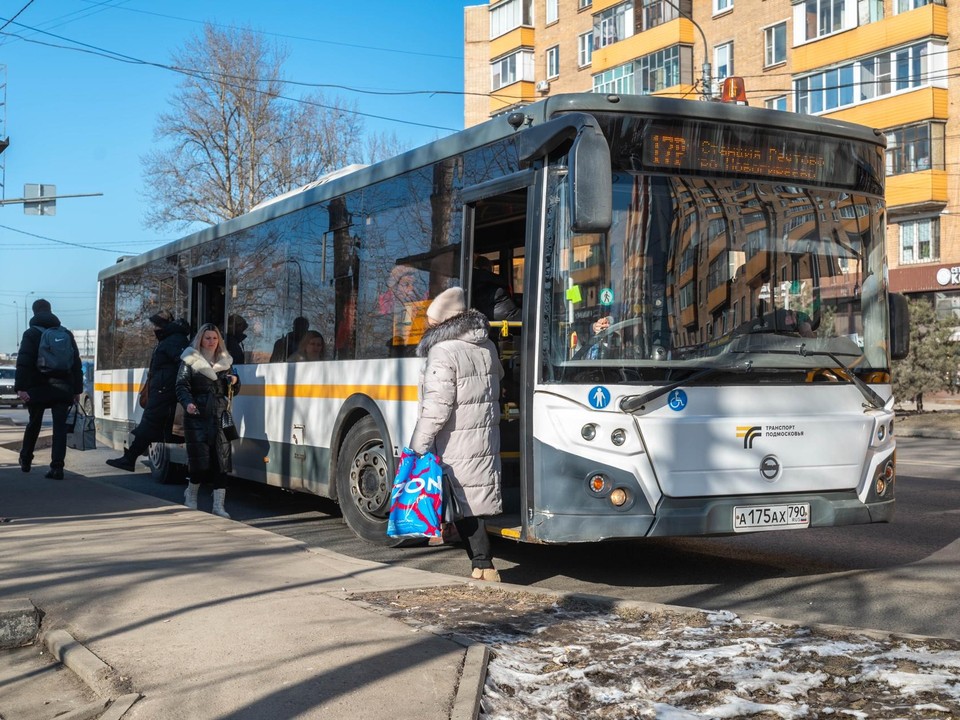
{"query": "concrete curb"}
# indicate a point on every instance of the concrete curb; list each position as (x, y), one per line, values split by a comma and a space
(466, 705)
(99, 677)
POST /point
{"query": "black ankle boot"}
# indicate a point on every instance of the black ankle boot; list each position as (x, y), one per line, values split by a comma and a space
(25, 464)
(123, 463)
(55, 474)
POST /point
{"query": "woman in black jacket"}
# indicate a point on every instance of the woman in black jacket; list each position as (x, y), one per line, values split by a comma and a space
(204, 379)
(157, 420)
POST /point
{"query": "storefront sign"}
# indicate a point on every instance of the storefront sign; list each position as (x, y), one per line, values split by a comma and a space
(949, 276)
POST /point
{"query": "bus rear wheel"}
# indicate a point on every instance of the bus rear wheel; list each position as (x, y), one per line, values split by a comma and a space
(364, 481)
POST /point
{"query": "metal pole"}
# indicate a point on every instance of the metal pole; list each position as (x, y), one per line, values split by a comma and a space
(16, 317)
(707, 80)
(25, 309)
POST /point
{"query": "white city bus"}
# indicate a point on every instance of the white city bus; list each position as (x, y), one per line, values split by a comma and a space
(738, 253)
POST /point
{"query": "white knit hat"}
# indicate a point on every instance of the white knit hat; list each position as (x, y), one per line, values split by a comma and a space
(447, 304)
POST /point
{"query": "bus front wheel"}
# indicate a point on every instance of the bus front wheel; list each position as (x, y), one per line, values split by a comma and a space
(165, 471)
(364, 481)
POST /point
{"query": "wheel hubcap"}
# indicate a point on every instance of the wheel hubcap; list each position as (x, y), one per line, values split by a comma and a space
(369, 486)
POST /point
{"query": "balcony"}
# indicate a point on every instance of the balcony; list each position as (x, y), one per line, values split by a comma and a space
(513, 40)
(894, 110)
(675, 32)
(930, 20)
(517, 93)
(927, 188)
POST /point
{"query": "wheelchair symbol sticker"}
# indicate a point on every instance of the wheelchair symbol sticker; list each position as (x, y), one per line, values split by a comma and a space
(599, 397)
(678, 400)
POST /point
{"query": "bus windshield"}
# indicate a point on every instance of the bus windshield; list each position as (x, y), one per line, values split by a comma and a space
(719, 269)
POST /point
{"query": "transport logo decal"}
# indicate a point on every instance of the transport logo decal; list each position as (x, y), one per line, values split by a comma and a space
(749, 433)
(599, 397)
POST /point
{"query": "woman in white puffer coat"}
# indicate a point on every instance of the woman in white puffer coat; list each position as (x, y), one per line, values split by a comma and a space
(459, 417)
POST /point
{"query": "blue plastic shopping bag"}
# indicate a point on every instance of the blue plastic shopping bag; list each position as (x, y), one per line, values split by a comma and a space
(416, 500)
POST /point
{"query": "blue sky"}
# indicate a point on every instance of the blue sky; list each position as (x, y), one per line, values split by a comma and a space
(81, 122)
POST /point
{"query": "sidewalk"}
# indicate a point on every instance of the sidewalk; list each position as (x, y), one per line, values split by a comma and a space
(205, 618)
(210, 618)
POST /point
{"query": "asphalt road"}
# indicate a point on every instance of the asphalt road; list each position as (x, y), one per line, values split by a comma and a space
(901, 577)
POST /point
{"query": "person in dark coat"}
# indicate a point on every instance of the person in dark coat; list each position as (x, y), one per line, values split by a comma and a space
(286, 346)
(39, 391)
(491, 293)
(204, 381)
(157, 421)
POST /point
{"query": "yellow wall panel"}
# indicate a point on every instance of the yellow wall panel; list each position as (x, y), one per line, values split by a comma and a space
(511, 95)
(599, 5)
(513, 40)
(872, 37)
(918, 187)
(662, 36)
(922, 104)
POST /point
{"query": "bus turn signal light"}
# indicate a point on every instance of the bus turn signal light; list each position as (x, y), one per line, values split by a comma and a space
(734, 91)
(597, 484)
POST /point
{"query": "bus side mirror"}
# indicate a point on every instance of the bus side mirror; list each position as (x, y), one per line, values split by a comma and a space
(591, 182)
(899, 326)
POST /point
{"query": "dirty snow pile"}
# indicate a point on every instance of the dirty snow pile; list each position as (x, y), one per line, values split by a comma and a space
(566, 659)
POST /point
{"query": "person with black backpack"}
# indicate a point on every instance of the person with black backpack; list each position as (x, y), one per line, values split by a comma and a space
(49, 375)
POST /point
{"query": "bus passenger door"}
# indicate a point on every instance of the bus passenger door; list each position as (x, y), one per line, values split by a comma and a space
(208, 299)
(494, 263)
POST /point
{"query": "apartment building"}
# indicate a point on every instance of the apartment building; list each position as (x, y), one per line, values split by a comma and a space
(886, 64)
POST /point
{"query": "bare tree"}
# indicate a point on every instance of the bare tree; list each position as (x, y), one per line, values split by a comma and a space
(231, 138)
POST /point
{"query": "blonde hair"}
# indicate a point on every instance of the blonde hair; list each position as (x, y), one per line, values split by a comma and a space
(205, 328)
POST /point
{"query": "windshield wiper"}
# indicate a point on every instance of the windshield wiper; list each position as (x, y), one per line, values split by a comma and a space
(632, 403)
(868, 392)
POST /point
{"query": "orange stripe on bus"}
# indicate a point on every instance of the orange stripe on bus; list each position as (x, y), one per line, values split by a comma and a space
(341, 392)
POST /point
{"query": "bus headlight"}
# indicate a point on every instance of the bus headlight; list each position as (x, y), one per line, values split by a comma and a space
(588, 431)
(881, 432)
(618, 437)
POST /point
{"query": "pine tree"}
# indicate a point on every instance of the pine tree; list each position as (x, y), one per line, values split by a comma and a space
(932, 362)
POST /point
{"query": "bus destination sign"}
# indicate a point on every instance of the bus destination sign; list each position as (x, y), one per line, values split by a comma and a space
(715, 153)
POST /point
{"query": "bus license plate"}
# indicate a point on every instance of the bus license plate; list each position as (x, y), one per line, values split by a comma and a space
(753, 518)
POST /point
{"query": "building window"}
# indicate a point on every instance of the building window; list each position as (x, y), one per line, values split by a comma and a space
(553, 61)
(613, 25)
(510, 69)
(903, 6)
(720, 6)
(553, 11)
(871, 78)
(661, 69)
(920, 241)
(618, 80)
(584, 4)
(510, 15)
(915, 148)
(658, 12)
(870, 11)
(775, 44)
(585, 49)
(818, 18)
(776, 103)
(722, 64)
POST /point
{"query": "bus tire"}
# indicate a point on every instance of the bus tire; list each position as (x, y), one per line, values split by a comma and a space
(163, 470)
(364, 481)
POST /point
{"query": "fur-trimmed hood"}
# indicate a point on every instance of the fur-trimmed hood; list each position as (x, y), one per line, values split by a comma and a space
(195, 360)
(470, 326)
